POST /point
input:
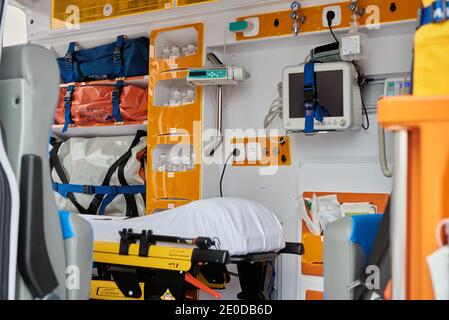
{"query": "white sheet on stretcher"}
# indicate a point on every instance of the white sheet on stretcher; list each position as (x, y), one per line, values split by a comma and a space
(242, 226)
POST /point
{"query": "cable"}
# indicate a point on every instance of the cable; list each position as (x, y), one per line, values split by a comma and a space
(330, 16)
(276, 110)
(362, 82)
(235, 153)
(365, 111)
(332, 32)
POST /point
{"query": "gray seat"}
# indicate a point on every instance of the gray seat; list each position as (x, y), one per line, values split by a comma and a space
(29, 82)
(356, 258)
(343, 261)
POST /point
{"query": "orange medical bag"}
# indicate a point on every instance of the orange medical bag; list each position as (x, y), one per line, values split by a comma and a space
(87, 105)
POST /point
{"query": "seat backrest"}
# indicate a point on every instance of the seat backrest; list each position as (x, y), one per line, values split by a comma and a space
(343, 261)
(349, 249)
(29, 83)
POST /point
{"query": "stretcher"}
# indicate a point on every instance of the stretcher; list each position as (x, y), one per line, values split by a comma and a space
(137, 268)
(133, 262)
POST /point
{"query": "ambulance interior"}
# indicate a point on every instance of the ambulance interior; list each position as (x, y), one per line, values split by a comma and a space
(224, 149)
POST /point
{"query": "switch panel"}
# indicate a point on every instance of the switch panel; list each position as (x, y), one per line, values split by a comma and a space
(262, 151)
(253, 151)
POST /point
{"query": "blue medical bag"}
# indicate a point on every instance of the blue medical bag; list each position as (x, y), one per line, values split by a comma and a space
(124, 58)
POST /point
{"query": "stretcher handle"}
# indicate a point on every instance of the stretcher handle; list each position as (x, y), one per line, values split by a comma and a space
(293, 248)
(196, 283)
(200, 242)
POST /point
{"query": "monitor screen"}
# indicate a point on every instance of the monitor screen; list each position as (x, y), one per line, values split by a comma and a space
(330, 93)
(198, 73)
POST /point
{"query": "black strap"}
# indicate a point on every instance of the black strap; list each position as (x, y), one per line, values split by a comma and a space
(96, 202)
(56, 164)
(131, 205)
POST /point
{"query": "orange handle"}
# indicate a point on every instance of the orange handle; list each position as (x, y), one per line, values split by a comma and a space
(195, 282)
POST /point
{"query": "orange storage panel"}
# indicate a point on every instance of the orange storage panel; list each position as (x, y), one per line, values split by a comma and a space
(172, 119)
(312, 260)
(314, 245)
(427, 121)
(174, 35)
(184, 3)
(175, 185)
(88, 11)
(276, 151)
(314, 295)
(279, 23)
(154, 205)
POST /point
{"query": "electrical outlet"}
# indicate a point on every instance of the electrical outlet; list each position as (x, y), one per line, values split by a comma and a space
(254, 31)
(253, 151)
(242, 154)
(337, 20)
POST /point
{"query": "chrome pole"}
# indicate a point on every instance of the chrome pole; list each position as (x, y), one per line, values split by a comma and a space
(398, 229)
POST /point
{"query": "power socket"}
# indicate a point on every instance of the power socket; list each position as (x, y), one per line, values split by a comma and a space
(337, 20)
(242, 152)
(253, 151)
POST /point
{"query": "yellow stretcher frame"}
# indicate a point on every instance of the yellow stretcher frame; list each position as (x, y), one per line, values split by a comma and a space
(159, 257)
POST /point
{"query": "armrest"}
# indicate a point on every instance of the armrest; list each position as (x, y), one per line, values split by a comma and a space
(293, 248)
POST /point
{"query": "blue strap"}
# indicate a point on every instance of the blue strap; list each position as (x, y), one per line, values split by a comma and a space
(69, 61)
(312, 110)
(118, 59)
(435, 13)
(106, 201)
(68, 107)
(66, 225)
(65, 189)
(110, 191)
(116, 101)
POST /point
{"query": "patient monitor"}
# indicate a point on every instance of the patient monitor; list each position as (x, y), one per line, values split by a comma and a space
(337, 92)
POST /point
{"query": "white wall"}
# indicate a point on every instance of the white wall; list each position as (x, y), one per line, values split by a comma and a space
(390, 52)
(15, 27)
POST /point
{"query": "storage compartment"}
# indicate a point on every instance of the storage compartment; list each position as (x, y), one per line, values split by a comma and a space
(100, 10)
(174, 93)
(175, 106)
(173, 158)
(312, 260)
(178, 43)
(175, 168)
(175, 185)
(161, 205)
(177, 47)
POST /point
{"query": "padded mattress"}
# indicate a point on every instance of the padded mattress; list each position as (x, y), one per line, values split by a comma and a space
(241, 226)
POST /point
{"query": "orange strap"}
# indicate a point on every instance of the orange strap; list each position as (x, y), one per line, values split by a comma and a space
(195, 282)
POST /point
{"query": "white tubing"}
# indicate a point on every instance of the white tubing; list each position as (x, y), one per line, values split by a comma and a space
(387, 172)
(14, 220)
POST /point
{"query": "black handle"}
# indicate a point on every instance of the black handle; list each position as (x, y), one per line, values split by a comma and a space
(293, 248)
(210, 256)
(33, 259)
